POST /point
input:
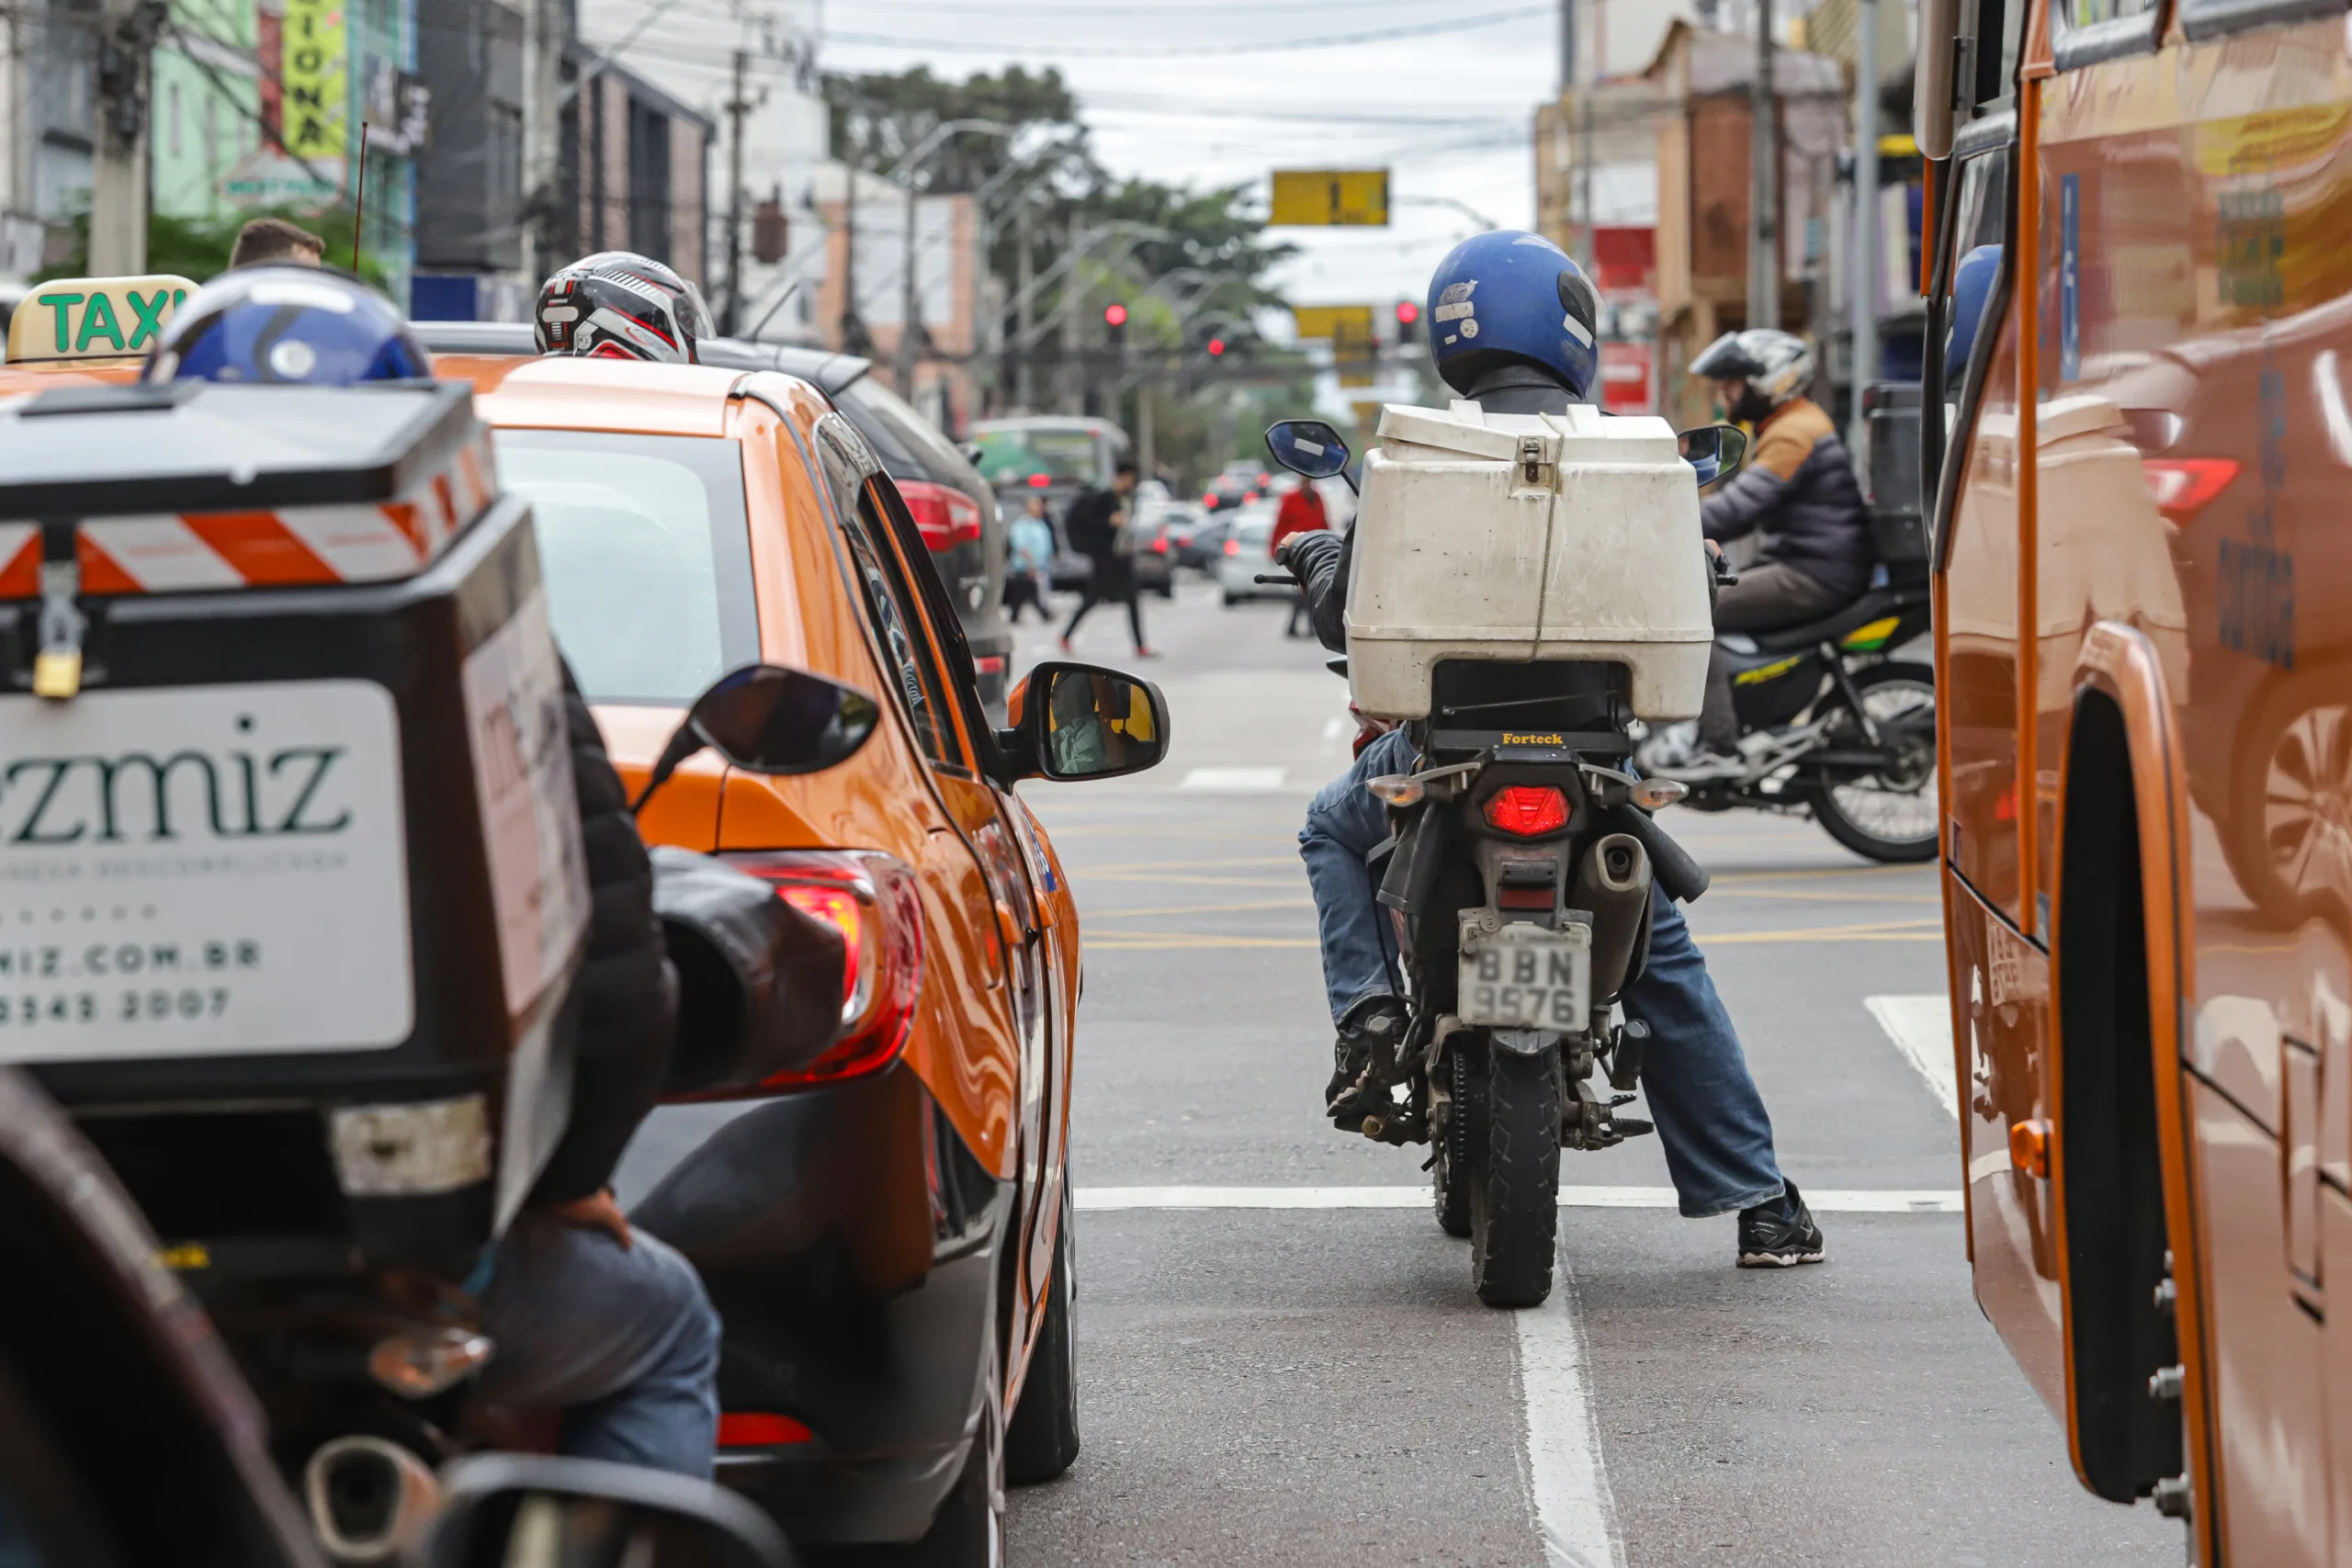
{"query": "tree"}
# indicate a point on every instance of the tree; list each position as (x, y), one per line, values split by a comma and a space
(877, 118)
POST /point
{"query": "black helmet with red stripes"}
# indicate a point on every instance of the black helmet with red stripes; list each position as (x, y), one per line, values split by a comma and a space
(620, 305)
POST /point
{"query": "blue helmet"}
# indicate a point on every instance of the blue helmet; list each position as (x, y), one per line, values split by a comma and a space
(1512, 295)
(1972, 286)
(280, 325)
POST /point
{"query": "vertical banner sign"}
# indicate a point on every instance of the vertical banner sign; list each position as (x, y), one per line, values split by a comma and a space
(317, 96)
(2070, 266)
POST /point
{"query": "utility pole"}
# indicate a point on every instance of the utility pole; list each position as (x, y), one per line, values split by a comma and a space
(1764, 194)
(855, 337)
(738, 107)
(1024, 368)
(1865, 286)
(902, 362)
(118, 165)
(543, 49)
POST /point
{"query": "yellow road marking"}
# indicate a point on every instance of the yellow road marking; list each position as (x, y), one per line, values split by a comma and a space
(1160, 876)
(1117, 866)
(1883, 931)
(1144, 942)
(1800, 893)
(1091, 917)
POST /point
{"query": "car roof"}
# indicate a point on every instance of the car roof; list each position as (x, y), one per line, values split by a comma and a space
(562, 393)
(830, 372)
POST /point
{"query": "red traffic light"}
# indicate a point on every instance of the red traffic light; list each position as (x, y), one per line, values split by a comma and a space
(1407, 312)
(1115, 314)
(1216, 346)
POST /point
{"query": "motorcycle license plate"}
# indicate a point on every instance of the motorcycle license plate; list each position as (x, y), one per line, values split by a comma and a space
(1522, 976)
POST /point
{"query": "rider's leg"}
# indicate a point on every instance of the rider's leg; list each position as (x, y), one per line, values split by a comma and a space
(1765, 597)
(1711, 1120)
(1344, 824)
(624, 1341)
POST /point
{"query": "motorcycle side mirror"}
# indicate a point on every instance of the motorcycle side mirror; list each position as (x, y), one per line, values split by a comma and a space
(1082, 721)
(1713, 451)
(1308, 447)
(501, 1510)
(767, 719)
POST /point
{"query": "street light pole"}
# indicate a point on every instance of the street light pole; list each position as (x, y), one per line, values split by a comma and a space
(1865, 284)
(1764, 195)
(738, 107)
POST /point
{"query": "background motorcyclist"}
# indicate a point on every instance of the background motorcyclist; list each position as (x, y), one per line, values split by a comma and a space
(609, 1326)
(620, 305)
(1512, 319)
(1798, 491)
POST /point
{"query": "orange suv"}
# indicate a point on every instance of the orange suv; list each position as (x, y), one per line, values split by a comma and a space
(887, 1234)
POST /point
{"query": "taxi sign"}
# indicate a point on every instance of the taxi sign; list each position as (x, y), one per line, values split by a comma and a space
(1353, 198)
(94, 317)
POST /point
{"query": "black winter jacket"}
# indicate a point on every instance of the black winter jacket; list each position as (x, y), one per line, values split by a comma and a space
(1799, 488)
(627, 991)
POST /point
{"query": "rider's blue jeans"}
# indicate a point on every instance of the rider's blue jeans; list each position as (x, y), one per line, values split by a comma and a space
(1717, 1137)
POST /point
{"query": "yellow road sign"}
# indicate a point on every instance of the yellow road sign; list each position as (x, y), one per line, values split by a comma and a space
(1340, 323)
(1325, 196)
(94, 317)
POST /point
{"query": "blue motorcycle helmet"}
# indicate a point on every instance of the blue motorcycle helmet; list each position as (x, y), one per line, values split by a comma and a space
(1971, 287)
(1512, 295)
(287, 326)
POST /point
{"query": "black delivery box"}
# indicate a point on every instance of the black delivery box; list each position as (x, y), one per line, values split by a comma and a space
(291, 888)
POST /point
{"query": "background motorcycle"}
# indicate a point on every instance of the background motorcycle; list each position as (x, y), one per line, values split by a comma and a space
(1517, 881)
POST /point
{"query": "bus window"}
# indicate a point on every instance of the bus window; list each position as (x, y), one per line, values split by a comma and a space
(2084, 31)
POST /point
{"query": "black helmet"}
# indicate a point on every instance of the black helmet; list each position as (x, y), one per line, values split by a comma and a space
(620, 305)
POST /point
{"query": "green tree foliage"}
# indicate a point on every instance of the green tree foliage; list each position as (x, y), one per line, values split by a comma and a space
(879, 118)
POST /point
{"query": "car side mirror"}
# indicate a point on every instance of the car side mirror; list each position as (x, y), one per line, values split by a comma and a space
(1713, 451)
(1083, 721)
(1308, 447)
(505, 1510)
(766, 719)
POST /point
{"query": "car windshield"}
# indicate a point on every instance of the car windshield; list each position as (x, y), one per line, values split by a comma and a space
(647, 556)
(1014, 455)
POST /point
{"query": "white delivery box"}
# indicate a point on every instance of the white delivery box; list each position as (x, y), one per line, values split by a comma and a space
(1527, 538)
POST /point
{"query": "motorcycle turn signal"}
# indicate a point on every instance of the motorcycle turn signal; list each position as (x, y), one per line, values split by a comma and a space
(1396, 789)
(1651, 795)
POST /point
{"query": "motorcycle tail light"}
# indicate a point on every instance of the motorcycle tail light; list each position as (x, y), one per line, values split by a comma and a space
(945, 515)
(870, 898)
(1526, 810)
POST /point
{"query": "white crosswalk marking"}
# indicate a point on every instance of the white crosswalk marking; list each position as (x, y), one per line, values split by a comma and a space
(1921, 1029)
(1236, 780)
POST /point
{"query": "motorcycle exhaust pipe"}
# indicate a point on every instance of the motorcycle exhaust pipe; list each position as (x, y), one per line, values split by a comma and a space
(369, 1499)
(1614, 884)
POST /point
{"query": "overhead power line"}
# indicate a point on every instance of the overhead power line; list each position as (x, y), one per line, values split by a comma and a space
(1132, 51)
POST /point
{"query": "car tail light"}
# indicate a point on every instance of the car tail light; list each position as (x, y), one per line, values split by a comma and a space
(759, 1429)
(1209, 502)
(1250, 495)
(947, 515)
(1039, 481)
(2182, 485)
(1526, 810)
(870, 898)
(1159, 544)
(1233, 546)
(988, 664)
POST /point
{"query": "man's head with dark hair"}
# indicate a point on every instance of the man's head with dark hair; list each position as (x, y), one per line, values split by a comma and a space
(1124, 476)
(276, 240)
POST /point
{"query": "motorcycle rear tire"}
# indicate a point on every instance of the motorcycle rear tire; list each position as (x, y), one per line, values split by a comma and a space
(1450, 1173)
(1515, 1181)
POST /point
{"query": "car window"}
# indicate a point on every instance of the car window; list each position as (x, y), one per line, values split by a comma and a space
(889, 606)
(647, 554)
(891, 422)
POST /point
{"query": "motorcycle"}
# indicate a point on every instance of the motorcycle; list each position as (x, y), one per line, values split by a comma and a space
(1832, 726)
(1517, 881)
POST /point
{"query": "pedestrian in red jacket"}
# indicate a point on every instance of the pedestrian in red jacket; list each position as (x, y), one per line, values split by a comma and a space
(1301, 513)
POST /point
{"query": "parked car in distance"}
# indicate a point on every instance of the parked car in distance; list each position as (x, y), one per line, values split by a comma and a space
(954, 508)
(1189, 528)
(886, 1233)
(1248, 552)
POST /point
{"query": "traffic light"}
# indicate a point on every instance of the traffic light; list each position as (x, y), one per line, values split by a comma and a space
(1217, 348)
(1408, 322)
(1114, 326)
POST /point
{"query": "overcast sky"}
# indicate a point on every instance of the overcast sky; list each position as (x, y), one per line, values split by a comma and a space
(1216, 92)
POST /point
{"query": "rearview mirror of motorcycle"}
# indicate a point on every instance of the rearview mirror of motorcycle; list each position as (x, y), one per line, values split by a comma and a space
(503, 1509)
(767, 719)
(1713, 451)
(1308, 447)
(1083, 721)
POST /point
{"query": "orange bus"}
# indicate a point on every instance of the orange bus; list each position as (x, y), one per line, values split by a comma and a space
(2142, 466)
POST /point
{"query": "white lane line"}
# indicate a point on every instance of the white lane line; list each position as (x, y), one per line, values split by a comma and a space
(1575, 1512)
(1921, 1029)
(1235, 781)
(1827, 1201)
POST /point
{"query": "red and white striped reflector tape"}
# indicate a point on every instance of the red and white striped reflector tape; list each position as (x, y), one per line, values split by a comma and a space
(191, 552)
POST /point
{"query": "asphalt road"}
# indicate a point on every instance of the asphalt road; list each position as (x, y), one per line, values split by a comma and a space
(1306, 1382)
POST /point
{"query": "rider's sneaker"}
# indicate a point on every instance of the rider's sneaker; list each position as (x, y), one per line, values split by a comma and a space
(1367, 1023)
(1780, 1234)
